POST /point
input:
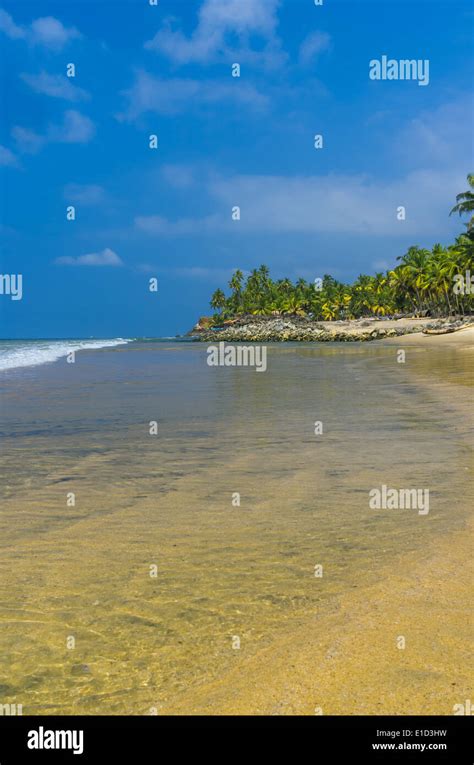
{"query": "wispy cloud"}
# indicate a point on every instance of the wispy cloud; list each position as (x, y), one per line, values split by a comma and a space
(198, 273)
(224, 28)
(84, 194)
(157, 224)
(74, 128)
(314, 44)
(434, 144)
(331, 203)
(51, 33)
(175, 95)
(179, 176)
(55, 85)
(7, 157)
(340, 203)
(106, 257)
(440, 136)
(8, 26)
(47, 32)
(27, 141)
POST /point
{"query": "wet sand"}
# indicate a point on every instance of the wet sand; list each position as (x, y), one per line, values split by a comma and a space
(347, 660)
(166, 643)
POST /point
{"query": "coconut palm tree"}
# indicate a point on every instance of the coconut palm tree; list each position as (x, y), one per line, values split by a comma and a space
(422, 281)
(463, 255)
(414, 265)
(465, 202)
(218, 300)
(294, 305)
(329, 311)
(235, 285)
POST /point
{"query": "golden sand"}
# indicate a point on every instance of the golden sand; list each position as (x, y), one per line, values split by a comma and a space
(348, 661)
(352, 660)
(463, 338)
(306, 643)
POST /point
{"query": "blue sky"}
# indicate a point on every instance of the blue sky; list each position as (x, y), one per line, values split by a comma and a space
(223, 141)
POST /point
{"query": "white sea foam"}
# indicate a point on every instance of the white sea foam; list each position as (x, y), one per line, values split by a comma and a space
(14, 354)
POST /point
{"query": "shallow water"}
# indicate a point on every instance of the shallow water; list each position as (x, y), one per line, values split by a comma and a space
(223, 571)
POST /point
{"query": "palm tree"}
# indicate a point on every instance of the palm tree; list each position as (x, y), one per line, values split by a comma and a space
(264, 272)
(378, 282)
(218, 300)
(397, 281)
(465, 202)
(463, 254)
(423, 280)
(294, 305)
(441, 269)
(361, 291)
(415, 264)
(235, 285)
(329, 311)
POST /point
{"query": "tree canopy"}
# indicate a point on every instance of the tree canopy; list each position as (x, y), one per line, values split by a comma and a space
(422, 282)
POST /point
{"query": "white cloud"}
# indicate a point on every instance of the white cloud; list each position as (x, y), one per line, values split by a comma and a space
(27, 140)
(170, 97)
(106, 257)
(192, 272)
(434, 145)
(157, 224)
(147, 268)
(341, 203)
(441, 136)
(55, 85)
(224, 27)
(84, 194)
(8, 26)
(75, 128)
(332, 203)
(314, 44)
(51, 33)
(179, 176)
(47, 32)
(7, 158)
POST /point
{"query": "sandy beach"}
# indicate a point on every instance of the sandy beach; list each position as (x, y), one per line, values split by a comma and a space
(347, 661)
(246, 571)
(362, 326)
(463, 339)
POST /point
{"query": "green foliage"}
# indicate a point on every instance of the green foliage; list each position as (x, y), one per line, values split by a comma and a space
(422, 283)
(465, 202)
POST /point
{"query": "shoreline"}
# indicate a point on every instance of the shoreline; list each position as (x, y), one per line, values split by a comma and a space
(263, 329)
(345, 659)
(246, 572)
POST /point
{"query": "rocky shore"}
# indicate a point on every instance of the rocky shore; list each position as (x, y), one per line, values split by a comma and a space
(267, 329)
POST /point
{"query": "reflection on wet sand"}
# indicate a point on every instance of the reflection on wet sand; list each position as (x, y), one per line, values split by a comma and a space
(151, 572)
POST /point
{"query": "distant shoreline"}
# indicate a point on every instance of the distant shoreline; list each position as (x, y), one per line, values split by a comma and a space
(302, 329)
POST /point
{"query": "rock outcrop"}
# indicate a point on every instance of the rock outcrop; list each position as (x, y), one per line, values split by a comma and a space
(268, 329)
